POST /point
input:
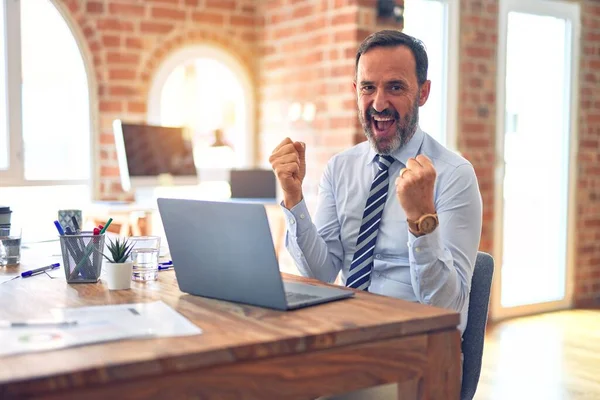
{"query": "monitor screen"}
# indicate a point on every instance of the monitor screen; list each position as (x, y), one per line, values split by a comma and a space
(148, 151)
(253, 184)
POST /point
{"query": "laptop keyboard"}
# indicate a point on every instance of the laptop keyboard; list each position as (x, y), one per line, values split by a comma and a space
(293, 297)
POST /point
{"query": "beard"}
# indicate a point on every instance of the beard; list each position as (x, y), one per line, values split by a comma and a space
(405, 128)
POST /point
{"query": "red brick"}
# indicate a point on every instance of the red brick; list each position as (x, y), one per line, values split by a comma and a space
(242, 20)
(346, 35)
(156, 27)
(122, 58)
(122, 9)
(207, 17)
(121, 74)
(72, 5)
(193, 3)
(163, 1)
(249, 37)
(314, 24)
(222, 4)
(106, 171)
(122, 90)
(110, 106)
(168, 13)
(94, 7)
(479, 52)
(134, 43)
(113, 24)
(111, 41)
(345, 18)
(136, 107)
(341, 122)
(249, 9)
(301, 12)
(107, 138)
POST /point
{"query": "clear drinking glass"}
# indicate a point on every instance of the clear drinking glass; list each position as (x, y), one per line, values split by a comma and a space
(10, 245)
(145, 258)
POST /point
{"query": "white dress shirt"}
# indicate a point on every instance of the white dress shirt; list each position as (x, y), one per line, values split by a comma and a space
(434, 269)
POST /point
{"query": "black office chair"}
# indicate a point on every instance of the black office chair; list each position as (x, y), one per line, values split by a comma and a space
(474, 334)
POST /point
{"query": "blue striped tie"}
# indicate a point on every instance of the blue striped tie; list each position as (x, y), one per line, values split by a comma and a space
(362, 263)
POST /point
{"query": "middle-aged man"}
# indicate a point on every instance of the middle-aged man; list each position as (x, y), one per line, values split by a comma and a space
(399, 215)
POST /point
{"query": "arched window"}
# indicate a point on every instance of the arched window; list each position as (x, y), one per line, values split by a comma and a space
(48, 131)
(207, 91)
(45, 150)
(55, 97)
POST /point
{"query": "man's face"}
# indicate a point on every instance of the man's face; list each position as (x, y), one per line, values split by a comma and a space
(389, 96)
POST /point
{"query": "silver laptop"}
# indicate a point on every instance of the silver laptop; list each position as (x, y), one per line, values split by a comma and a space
(224, 250)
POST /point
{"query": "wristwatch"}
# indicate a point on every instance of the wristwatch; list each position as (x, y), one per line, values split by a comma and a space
(424, 225)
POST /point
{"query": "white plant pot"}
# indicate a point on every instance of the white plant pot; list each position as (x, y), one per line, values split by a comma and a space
(118, 276)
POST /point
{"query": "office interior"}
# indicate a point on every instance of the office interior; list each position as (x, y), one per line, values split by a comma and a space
(515, 90)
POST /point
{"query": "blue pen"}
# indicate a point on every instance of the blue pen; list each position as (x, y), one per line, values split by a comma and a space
(59, 228)
(38, 270)
(165, 265)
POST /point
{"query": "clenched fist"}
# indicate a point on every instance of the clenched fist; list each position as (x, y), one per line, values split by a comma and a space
(289, 163)
(414, 187)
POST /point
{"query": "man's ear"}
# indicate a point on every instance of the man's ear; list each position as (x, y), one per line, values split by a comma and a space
(424, 93)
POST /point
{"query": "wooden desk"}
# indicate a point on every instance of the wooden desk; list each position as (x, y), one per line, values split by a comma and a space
(245, 352)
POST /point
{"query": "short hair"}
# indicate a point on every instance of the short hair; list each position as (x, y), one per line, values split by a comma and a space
(393, 38)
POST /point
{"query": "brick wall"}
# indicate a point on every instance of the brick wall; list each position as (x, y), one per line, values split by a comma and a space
(129, 38)
(302, 51)
(587, 271)
(308, 51)
(477, 100)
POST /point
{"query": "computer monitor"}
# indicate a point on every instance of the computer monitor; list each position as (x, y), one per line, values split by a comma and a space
(149, 155)
(253, 184)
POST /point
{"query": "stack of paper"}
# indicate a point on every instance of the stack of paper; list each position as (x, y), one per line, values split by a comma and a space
(98, 324)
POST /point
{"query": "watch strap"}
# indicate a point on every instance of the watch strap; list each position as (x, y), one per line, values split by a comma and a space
(415, 226)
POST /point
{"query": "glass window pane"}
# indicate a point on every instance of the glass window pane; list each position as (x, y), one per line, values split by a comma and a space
(56, 121)
(204, 95)
(427, 20)
(4, 151)
(537, 113)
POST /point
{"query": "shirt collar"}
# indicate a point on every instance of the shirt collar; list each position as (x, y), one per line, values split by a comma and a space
(403, 153)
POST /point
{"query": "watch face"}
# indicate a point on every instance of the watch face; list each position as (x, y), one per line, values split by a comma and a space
(427, 224)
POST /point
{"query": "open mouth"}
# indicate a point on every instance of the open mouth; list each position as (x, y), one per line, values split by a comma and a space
(382, 125)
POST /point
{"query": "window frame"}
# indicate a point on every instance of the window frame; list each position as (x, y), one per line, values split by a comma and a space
(15, 174)
(451, 46)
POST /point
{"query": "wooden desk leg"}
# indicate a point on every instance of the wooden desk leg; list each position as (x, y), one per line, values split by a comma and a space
(442, 375)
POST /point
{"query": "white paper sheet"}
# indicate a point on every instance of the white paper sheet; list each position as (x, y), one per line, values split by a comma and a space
(6, 278)
(99, 324)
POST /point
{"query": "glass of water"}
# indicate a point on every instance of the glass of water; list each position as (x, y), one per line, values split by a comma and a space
(10, 245)
(145, 258)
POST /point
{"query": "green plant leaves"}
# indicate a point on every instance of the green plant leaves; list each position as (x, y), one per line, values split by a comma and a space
(119, 250)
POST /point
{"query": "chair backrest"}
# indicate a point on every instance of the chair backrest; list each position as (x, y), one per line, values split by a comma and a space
(473, 336)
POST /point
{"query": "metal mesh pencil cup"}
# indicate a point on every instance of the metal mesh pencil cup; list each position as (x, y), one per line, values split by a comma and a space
(82, 257)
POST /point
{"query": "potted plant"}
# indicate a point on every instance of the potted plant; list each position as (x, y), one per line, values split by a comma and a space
(118, 269)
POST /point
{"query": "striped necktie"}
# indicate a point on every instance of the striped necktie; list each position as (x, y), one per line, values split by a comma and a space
(362, 262)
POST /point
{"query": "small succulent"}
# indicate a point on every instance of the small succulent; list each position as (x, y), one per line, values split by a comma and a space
(119, 250)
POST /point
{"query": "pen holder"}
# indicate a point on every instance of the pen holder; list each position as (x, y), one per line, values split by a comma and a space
(82, 257)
